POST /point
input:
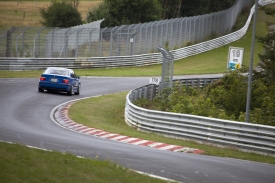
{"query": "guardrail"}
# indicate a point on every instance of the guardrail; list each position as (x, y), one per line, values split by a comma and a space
(150, 91)
(240, 135)
(7, 63)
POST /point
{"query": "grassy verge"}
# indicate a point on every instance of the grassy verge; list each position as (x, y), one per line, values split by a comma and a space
(22, 164)
(107, 113)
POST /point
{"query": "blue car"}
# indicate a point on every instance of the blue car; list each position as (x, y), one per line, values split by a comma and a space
(59, 79)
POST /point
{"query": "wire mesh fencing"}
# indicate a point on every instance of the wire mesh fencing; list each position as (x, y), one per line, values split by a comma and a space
(89, 40)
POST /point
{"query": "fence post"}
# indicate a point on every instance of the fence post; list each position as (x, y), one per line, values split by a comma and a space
(8, 42)
(23, 40)
(101, 41)
(167, 69)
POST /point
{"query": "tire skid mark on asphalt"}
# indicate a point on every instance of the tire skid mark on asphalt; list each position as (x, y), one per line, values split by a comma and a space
(61, 117)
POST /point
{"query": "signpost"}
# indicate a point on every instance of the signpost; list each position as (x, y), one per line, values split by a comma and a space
(235, 58)
(251, 65)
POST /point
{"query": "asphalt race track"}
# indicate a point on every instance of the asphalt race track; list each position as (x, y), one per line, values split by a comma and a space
(25, 119)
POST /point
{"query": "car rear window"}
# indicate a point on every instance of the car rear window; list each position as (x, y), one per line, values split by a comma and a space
(57, 71)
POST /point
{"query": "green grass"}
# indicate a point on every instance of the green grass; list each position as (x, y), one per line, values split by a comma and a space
(26, 165)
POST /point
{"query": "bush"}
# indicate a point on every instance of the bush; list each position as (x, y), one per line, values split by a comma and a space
(60, 15)
(231, 93)
(223, 99)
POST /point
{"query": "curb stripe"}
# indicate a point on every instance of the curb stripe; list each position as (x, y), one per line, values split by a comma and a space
(155, 144)
(140, 142)
(88, 130)
(121, 139)
(118, 137)
(133, 141)
(113, 136)
(167, 147)
(102, 134)
(60, 115)
(146, 143)
(127, 140)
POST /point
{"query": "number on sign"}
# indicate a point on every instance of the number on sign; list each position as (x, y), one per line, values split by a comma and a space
(154, 81)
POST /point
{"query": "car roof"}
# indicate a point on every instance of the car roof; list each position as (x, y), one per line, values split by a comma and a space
(60, 68)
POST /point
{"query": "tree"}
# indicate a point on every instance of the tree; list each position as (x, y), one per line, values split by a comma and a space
(99, 13)
(264, 112)
(219, 5)
(267, 58)
(171, 8)
(74, 3)
(229, 93)
(60, 15)
(122, 12)
(200, 7)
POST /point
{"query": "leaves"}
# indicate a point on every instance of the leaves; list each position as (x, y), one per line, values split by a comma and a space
(60, 15)
(223, 99)
(122, 12)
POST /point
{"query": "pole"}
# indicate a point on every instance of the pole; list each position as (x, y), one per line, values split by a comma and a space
(251, 64)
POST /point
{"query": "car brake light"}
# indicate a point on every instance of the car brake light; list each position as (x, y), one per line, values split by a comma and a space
(42, 79)
(65, 81)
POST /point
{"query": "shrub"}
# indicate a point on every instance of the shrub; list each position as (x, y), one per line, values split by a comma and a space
(231, 93)
(223, 99)
(60, 15)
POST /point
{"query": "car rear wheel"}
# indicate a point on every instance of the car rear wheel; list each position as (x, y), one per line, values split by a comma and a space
(40, 89)
(70, 92)
(78, 90)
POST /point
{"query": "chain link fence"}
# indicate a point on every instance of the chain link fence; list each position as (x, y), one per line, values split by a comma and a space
(90, 40)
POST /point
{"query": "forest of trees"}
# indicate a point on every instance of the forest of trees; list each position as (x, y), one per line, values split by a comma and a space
(121, 12)
(64, 13)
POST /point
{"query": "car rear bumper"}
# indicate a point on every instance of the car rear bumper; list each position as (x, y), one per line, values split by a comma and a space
(57, 87)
